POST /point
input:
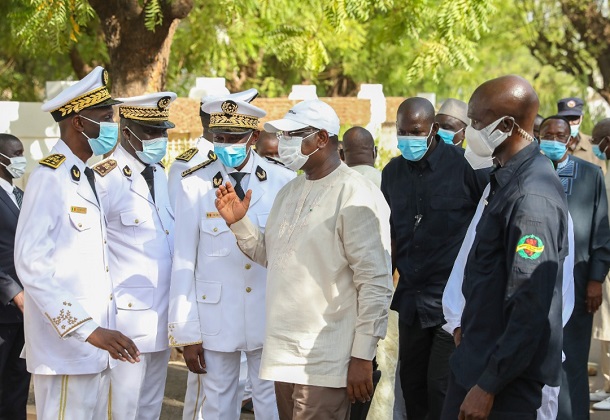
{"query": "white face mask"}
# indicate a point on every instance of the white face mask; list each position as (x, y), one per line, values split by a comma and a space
(17, 166)
(476, 161)
(289, 149)
(483, 142)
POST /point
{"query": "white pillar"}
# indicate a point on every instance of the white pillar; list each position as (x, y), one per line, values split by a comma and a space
(303, 92)
(374, 93)
(206, 86)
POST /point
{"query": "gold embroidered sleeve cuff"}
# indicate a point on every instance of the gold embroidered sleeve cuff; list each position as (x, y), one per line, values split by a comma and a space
(67, 318)
(182, 334)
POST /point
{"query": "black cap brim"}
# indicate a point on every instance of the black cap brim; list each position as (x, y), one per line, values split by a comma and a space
(107, 102)
(230, 130)
(160, 125)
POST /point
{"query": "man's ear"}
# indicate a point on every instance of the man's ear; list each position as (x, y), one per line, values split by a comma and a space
(77, 123)
(322, 138)
(375, 152)
(434, 130)
(254, 137)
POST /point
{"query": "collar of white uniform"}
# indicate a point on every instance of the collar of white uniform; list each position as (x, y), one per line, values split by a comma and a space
(134, 164)
(71, 158)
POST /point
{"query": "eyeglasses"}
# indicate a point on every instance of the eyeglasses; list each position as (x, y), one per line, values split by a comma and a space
(561, 138)
(303, 132)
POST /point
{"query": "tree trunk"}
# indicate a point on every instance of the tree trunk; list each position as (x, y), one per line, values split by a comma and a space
(139, 56)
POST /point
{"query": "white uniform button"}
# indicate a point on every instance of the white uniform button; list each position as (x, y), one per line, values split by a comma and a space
(137, 221)
(203, 297)
(80, 225)
(110, 297)
(107, 269)
(247, 266)
(129, 305)
(215, 229)
(166, 232)
(248, 289)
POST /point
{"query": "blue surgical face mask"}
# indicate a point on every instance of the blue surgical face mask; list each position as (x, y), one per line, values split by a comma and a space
(600, 154)
(106, 140)
(153, 150)
(232, 155)
(413, 148)
(448, 135)
(574, 129)
(553, 149)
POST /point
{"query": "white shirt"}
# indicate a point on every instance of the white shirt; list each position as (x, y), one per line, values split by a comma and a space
(453, 299)
(9, 188)
(369, 172)
(329, 282)
(178, 166)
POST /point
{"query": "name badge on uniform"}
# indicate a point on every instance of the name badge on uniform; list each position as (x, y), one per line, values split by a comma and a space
(212, 215)
(81, 210)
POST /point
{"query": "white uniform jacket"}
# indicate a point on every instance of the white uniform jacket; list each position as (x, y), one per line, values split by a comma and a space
(62, 260)
(141, 244)
(218, 294)
(186, 160)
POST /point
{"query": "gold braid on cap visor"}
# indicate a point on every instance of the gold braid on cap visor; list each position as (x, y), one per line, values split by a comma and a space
(143, 113)
(79, 103)
(236, 120)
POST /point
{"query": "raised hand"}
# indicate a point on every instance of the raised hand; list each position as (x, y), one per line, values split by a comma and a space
(118, 345)
(230, 207)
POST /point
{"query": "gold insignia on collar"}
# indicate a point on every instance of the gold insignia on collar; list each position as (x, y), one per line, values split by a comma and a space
(105, 166)
(189, 154)
(75, 173)
(261, 174)
(127, 171)
(217, 180)
(212, 155)
(164, 102)
(229, 107)
(53, 161)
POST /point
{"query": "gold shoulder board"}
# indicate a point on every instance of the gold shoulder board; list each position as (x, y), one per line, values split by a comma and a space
(53, 161)
(105, 166)
(197, 167)
(188, 155)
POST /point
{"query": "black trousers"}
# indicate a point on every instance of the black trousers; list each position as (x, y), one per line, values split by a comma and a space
(424, 368)
(14, 378)
(519, 400)
(574, 391)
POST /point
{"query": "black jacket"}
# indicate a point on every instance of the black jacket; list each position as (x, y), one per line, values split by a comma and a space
(9, 283)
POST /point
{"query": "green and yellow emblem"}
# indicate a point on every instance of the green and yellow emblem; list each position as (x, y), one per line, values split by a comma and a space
(530, 247)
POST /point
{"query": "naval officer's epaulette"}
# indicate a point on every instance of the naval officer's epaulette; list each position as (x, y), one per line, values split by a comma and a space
(188, 155)
(105, 166)
(197, 167)
(53, 161)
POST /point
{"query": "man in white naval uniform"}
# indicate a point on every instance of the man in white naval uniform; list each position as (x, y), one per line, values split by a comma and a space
(61, 258)
(204, 148)
(132, 187)
(217, 297)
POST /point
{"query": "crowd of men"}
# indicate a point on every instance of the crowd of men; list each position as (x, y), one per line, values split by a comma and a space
(270, 261)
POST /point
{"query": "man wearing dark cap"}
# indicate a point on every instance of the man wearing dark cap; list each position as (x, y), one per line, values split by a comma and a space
(62, 259)
(584, 187)
(573, 110)
(511, 324)
(217, 297)
(452, 120)
(132, 187)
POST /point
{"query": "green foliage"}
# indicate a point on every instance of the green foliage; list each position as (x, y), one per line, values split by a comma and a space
(153, 13)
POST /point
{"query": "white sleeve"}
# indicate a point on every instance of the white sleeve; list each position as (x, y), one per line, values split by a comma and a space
(453, 300)
(568, 276)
